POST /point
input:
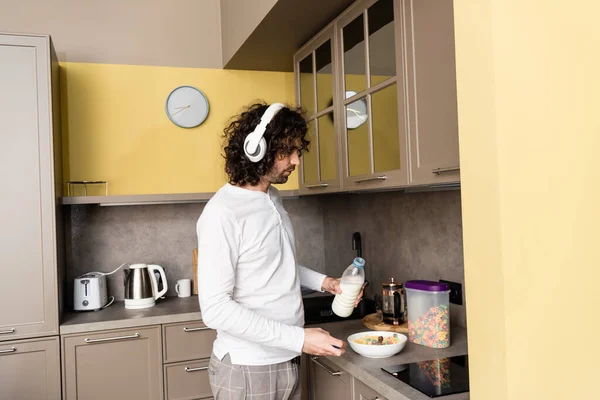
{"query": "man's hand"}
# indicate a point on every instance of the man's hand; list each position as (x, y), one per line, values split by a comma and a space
(319, 342)
(332, 285)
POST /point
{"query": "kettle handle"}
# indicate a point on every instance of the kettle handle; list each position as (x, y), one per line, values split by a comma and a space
(152, 268)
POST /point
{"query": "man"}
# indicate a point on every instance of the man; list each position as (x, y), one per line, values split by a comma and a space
(248, 278)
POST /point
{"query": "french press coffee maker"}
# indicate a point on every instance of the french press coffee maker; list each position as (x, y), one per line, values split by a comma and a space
(393, 304)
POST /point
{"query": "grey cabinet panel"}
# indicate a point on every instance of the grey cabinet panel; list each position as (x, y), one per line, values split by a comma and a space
(118, 364)
(328, 381)
(187, 341)
(363, 392)
(28, 247)
(187, 380)
(30, 369)
(433, 115)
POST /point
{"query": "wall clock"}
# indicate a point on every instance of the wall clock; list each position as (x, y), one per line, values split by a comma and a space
(356, 112)
(186, 106)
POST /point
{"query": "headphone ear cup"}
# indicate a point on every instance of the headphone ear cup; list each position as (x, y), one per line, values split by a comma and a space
(260, 152)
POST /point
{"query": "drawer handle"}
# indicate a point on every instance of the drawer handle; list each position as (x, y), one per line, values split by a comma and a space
(315, 359)
(11, 330)
(135, 336)
(373, 178)
(11, 350)
(188, 369)
(320, 185)
(186, 329)
(441, 170)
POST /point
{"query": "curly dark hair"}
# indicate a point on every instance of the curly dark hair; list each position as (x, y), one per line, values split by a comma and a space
(281, 135)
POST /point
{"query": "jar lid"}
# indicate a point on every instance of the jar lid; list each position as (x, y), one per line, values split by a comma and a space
(391, 284)
(428, 286)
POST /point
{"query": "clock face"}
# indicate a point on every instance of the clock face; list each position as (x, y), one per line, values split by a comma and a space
(356, 112)
(186, 107)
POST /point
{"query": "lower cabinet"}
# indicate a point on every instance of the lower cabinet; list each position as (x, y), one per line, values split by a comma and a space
(363, 392)
(117, 364)
(187, 380)
(186, 350)
(30, 369)
(328, 382)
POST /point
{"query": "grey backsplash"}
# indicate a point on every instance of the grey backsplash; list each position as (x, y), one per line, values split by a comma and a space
(102, 238)
(405, 236)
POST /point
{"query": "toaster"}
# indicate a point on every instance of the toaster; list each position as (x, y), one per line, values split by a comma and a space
(89, 292)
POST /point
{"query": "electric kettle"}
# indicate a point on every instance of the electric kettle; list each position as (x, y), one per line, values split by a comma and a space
(141, 285)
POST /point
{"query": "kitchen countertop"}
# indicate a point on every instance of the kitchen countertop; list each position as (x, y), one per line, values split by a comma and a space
(368, 370)
(167, 310)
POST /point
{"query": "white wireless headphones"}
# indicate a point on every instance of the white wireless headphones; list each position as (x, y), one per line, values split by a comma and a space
(255, 145)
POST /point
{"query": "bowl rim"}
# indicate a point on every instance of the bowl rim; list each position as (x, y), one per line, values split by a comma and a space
(354, 336)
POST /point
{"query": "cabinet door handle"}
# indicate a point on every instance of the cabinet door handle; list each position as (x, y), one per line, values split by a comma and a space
(134, 336)
(11, 330)
(320, 185)
(373, 178)
(442, 170)
(11, 350)
(315, 359)
(188, 369)
(186, 329)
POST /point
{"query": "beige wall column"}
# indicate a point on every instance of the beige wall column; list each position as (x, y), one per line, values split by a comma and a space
(529, 126)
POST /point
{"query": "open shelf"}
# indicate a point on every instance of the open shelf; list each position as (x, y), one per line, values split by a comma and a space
(148, 199)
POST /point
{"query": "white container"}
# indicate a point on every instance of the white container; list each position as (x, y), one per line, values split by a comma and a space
(428, 306)
(351, 284)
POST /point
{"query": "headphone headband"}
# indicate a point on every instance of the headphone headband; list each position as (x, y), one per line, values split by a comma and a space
(255, 146)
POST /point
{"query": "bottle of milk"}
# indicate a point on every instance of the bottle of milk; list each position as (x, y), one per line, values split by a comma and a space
(351, 284)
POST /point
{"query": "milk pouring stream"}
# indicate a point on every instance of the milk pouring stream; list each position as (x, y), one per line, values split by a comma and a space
(351, 284)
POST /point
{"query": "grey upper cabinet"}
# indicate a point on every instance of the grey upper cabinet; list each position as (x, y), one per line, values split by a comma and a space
(30, 369)
(119, 364)
(431, 86)
(394, 100)
(29, 135)
(315, 67)
(372, 101)
(327, 381)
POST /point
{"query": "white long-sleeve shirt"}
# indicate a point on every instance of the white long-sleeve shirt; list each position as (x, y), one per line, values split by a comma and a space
(248, 278)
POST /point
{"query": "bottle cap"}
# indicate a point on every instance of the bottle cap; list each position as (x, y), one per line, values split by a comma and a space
(359, 262)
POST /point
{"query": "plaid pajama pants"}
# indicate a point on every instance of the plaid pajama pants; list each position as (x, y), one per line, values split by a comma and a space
(253, 382)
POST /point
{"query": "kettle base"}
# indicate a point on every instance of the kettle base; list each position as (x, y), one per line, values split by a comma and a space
(135, 304)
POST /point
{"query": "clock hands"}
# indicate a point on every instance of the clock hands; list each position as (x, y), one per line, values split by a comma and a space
(356, 112)
(180, 109)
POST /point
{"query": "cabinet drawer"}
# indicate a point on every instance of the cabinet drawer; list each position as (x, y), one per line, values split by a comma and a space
(187, 341)
(187, 380)
(363, 392)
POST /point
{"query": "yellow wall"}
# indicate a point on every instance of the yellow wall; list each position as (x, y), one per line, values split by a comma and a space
(115, 127)
(529, 129)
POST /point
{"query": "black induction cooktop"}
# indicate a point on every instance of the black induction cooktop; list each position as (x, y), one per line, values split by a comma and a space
(435, 378)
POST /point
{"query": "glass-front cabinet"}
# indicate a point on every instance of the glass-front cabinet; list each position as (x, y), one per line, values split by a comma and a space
(379, 89)
(314, 68)
(374, 126)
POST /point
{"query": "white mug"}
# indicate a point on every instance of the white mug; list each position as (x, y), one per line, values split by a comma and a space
(184, 288)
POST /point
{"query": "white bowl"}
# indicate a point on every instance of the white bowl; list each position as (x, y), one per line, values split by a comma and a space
(377, 351)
